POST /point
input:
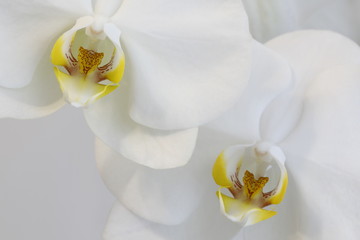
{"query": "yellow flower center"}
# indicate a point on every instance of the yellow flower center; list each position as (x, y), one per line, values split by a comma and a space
(89, 60)
(94, 73)
(252, 186)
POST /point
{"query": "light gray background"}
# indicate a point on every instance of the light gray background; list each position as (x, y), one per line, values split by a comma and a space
(49, 185)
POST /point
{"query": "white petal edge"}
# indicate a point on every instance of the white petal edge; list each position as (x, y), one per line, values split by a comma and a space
(322, 160)
(29, 29)
(38, 99)
(167, 196)
(270, 76)
(284, 16)
(108, 118)
(204, 224)
(309, 52)
(188, 61)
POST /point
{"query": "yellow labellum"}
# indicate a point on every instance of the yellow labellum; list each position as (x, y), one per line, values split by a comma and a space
(82, 78)
(241, 170)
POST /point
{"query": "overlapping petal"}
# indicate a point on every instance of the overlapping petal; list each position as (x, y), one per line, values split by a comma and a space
(323, 164)
(271, 18)
(270, 76)
(203, 224)
(188, 60)
(195, 219)
(321, 151)
(166, 196)
(39, 98)
(108, 118)
(28, 30)
(309, 53)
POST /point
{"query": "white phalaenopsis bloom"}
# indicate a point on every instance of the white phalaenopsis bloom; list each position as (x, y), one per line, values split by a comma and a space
(309, 110)
(147, 72)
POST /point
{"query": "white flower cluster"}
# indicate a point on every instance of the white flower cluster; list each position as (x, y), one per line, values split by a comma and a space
(177, 90)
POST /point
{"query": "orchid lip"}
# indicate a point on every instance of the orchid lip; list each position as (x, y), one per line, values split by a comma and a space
(88, 64)
(256, 178)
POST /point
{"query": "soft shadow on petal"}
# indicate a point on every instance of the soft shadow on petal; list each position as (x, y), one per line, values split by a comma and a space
(109, 119)
(27, 29)
(203, 224)
(272, 18)
(40, 98)
(323, 154)
(166, 196)
(188, 61)
(309, 53)
(270, 76)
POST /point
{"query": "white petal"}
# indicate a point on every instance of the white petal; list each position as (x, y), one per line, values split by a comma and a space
(166, 196)
(309, 53)
(284, 16)
(28, 30)
(40, 98)
(188, 61)
(323, 163)
(205, 223)
(270, 75)
(107, 7)
(108, 118)
(268, 19)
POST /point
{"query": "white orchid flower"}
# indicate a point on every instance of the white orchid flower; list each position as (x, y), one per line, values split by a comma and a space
(316, 126)
(184, 63)
(156, 200)
(274, 17)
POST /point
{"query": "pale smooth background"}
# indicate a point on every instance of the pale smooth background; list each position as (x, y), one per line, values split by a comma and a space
(49, 185)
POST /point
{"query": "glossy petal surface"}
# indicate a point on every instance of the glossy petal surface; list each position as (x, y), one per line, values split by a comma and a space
(188, 61)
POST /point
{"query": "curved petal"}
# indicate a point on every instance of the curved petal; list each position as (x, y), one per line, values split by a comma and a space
(28, 29)
(40, 98)
(284, 16)
(203, 224)
(227, 163)
(234, 210)
(108, 118)
(309, 53)
(166, 196)
(323, 164)
(188, 61)
(270, 76)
